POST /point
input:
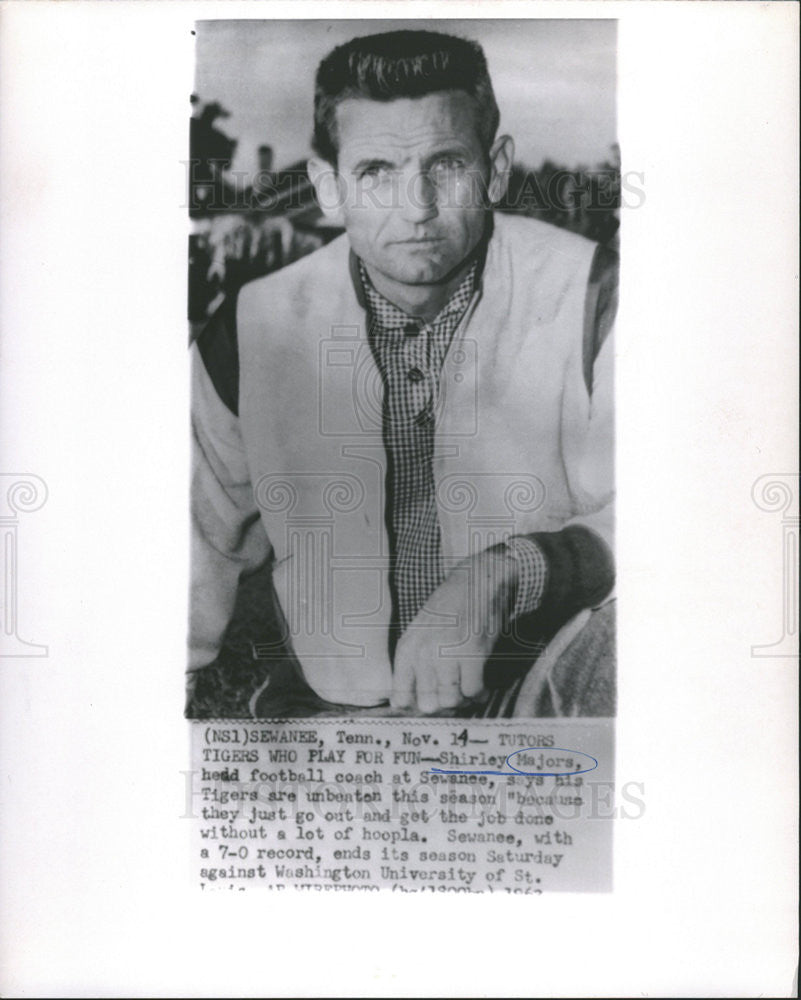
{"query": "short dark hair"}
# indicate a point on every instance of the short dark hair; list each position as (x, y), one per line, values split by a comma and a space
(401, 64)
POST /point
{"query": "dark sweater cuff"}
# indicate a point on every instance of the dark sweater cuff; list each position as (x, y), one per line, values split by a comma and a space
(581, 570)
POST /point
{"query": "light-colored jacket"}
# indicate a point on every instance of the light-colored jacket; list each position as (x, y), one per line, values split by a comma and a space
(521, 446)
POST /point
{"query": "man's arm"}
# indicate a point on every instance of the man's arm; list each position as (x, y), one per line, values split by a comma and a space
(561, 573)
(227, 532)
(553, 575)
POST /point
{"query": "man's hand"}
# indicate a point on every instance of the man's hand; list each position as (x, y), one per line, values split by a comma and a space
(440, 657)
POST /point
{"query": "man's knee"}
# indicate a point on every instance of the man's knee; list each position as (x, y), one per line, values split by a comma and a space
(582, 681)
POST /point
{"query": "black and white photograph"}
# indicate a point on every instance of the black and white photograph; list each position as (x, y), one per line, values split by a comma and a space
(403, 282)
(399, 498)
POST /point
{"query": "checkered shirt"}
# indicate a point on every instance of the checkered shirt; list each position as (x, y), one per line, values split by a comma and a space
(410, 354)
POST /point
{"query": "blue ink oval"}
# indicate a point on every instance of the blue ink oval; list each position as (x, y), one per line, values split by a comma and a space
(529, 774)
(575, 753)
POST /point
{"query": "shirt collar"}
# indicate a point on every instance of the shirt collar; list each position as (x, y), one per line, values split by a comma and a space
(472, 280)
(389, 316)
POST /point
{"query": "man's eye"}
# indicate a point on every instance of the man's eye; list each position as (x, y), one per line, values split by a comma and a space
(374, 172)
(447, 163)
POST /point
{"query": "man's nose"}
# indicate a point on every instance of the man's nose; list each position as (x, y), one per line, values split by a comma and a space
(418, 197)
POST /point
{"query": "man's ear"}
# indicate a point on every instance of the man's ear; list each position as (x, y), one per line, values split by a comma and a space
(501, 156)
(327, 187)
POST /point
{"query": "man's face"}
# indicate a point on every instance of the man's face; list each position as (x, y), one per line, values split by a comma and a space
(413, 177)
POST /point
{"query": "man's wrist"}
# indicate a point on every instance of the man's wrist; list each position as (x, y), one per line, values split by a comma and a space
(495, 582)
(532, 574)
(581, 570)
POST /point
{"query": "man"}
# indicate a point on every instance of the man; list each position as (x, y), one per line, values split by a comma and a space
(418, 431)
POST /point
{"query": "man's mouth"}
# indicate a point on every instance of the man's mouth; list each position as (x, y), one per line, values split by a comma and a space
(419, 240)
